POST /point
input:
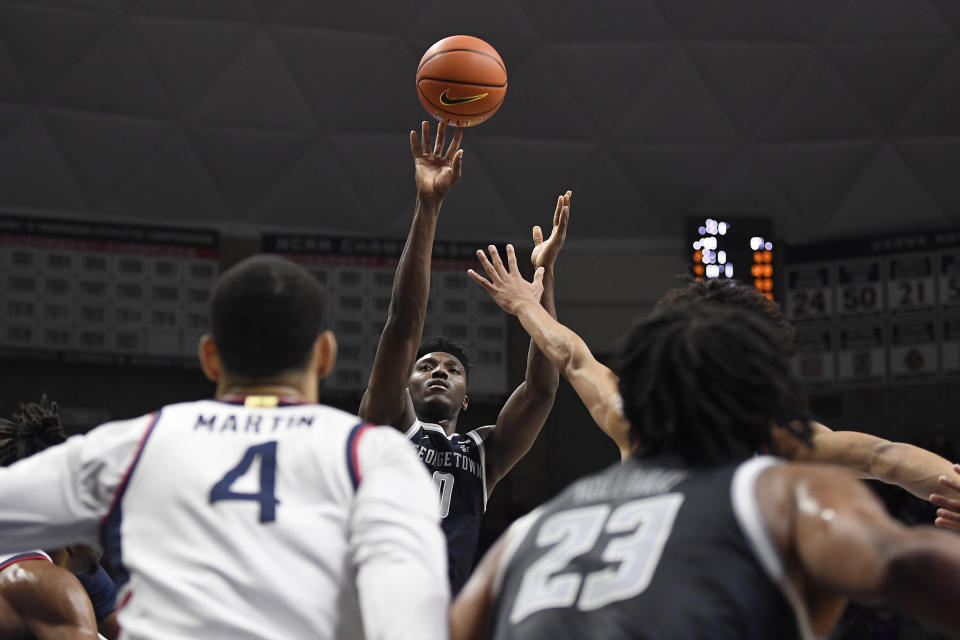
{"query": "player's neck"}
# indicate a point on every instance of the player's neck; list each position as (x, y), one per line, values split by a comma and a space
(449, 424)
(301, 392)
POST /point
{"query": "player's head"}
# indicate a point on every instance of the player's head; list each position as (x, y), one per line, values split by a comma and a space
(438, 382)
(734, 293)
(707, 383)
(269, 320)
(33, 428)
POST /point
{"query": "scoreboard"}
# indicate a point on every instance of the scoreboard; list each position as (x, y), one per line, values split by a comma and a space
(738, 248)
(875, 311)
(101, 292)
(359, 274)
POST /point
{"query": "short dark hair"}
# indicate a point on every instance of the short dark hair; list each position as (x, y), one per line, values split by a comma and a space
(266, 313)
(34, 428)
(706, 382)
(736, 293)
(446, 345)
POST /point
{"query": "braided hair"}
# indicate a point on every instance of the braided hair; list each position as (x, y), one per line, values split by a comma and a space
(33, 428)
(706, 383)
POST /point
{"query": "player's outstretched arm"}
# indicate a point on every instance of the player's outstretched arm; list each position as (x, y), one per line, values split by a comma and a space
(595, 383)
(525, 412)
(909, 467)
(386, 400)
(51, 602)
(396, 544)
(845, 543)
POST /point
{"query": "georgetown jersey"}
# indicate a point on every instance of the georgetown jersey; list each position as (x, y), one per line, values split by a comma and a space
(244, 521)
(648, 551)
(458, 466)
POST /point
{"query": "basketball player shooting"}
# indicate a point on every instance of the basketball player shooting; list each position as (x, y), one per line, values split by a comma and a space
(921, 472)
(693, 536)
(257, 514)
(421, 388)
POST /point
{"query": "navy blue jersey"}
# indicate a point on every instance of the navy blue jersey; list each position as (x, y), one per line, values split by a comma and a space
(458, 466)
(648, 550)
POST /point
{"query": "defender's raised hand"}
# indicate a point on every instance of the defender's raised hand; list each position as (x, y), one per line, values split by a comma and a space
(948, 514)
(506, 286)
(436, 170)
(545, 253)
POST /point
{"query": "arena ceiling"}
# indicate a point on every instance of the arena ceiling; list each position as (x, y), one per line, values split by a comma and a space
(833, 117)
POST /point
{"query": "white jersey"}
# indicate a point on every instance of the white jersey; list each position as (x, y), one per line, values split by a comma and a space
(236, 521)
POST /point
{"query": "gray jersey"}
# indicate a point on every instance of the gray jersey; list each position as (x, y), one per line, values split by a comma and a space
(648, 550)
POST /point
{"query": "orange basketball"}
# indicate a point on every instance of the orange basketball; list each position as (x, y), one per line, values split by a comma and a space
(461, 80)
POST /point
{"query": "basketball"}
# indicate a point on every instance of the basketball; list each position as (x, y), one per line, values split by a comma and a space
(461, 80)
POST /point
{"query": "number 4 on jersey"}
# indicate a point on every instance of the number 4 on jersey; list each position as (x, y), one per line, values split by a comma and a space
(267, 452)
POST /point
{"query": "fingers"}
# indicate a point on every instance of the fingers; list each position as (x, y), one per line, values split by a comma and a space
(497, 262)
(538, 278)
(441, 135)
(945, 503)
(562, 222)
(454, 145)
(457, 164)
(951, 482)
(537, 235)
(556, 212)
(512, 259)
(950, 519)
(424, 137)
(415, 145)
(480, 280)
(485, 263)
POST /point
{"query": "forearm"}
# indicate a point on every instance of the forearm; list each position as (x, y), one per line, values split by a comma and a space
(543, 376)
(411, 283)
(911, 468)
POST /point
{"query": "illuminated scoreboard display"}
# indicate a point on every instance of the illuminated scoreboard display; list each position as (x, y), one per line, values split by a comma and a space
(739, 248)
(358, 273)
(101, 292)
(875, 311)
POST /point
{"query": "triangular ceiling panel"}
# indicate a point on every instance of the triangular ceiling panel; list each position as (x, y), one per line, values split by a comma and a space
(538, 103)
(11, 85)
(32, 171)
(207, 9)
(381, 170)
(817, 106)
(934, 113)
(886, 198)
(114, 76)
(598, 21)
(888, 78)
(817, 15)
(934, 161)
(330, 64)
(676, 106)
(10, 117)
(816, 176)
(474, 210)
(364, 16)
(386, 97)
(748, 79)
(102, 150)
(29, 31)
(673, 177)
(246, 163)
(742, 20)
(615, 211)
(744, 189)
(868, 20)
(546, 169)
(171, 185)
(492, 20)
(950, 12)
(188, 56)
(588, 69)
(315, 192)
(256, 90)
